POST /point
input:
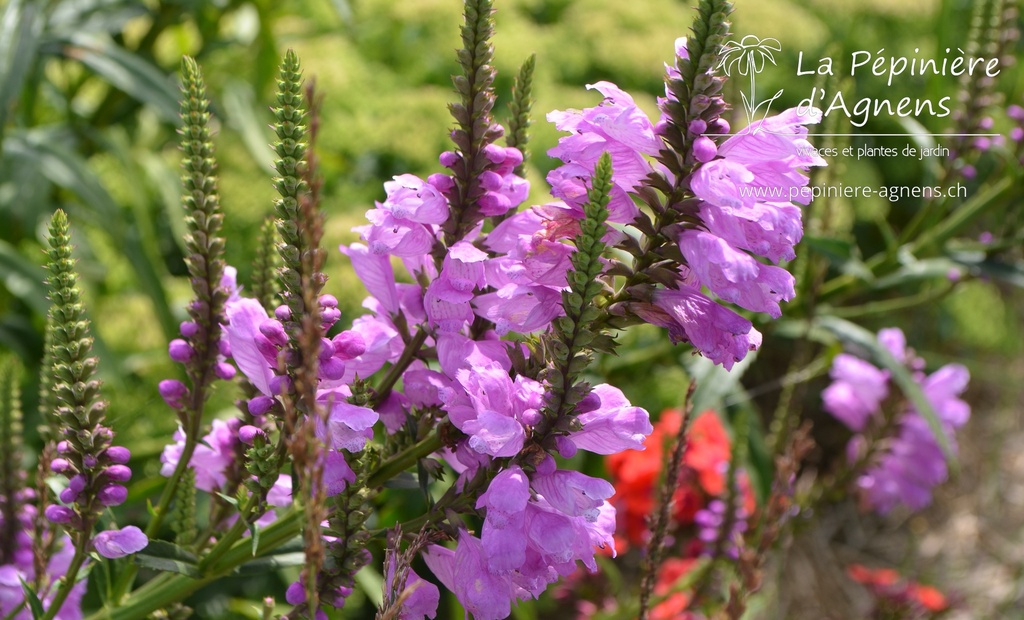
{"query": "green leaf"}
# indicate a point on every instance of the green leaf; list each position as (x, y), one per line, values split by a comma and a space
(851, 333)
(271, 563)
(66, 168)
(109, 16)
(23, 279)
(34, 604)
(979, 263)
(240, 111)
(404, 480)
(125, 71)
(923, 139)
(167, 565)
(167, 557)
(716, 387)
(20, 25)
(371, 583)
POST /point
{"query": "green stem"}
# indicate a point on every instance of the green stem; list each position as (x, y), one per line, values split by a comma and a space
(71, 575)
(408, 355)
(127, 578)
(233, 534)
(404, 460)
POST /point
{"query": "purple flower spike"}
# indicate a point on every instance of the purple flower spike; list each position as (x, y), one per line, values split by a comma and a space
(180, 351)
(119, 543)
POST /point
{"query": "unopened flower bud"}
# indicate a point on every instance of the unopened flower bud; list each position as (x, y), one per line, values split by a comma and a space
(704, 149)
(280, 384)
(441, 182)
(112, 495)
(329, 316)
(118, 455)
(274, 331)
(448, 159)
(328, 301)
(224, 371)
(59, 466)
(118, 473)
(179, 351)
(349, 345)
(247, 434)
(282, 312)
(173, 392)
(260, 404)
(189, 329)
(59, 514)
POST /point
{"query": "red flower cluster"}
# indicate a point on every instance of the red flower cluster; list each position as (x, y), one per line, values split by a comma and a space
(636, 476)
(636, 473)
(896, 594)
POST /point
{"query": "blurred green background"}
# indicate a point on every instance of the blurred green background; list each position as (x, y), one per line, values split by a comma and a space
(88, 111)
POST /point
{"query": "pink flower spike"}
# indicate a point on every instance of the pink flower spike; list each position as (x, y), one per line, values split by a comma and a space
(119, 543)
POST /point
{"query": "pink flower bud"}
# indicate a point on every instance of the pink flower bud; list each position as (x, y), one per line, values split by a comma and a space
(59, 466)
(329, 316)
(697, 127)
(441, 182)
(179, 351)
(248, 433)
(173, 392)
(189, 329)
(448, 159)
(280, 384)
(224, 371)
(282, 312)
(704, 149)
(118, 455)
(59, 514)
(274, 331)
(118, 473)
(112, 495)
(328, 301)
(349, 345)
(260, 405)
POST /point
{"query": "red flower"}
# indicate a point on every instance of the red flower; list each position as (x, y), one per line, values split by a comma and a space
(636, 473)
(673, 607)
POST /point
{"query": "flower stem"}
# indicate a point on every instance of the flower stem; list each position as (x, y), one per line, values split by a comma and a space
(68, 581)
